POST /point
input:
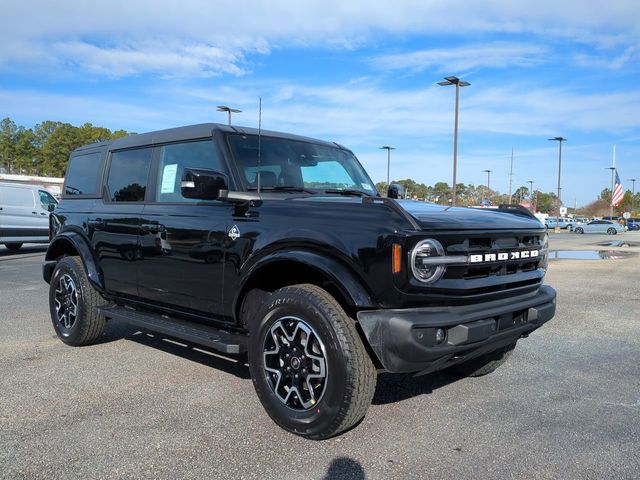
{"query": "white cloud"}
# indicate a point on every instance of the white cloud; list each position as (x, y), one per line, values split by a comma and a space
(458, 59)
(208, 38)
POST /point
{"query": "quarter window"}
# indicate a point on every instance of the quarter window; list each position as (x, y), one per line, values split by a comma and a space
(175, 158)
(82, 174)
(128, 174)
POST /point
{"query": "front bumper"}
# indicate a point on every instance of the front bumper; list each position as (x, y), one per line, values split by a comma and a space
(405, 340)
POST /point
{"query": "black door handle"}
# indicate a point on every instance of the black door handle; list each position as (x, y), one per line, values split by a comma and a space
(35, 213)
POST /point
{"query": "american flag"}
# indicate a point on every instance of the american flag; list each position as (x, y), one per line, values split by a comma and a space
(618, 194)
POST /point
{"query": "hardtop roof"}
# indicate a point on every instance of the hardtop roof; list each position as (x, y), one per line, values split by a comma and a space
(189, 132)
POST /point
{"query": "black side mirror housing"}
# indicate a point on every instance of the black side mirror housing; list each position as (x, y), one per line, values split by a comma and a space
(51, 207)
(202, 183)
(395, 191)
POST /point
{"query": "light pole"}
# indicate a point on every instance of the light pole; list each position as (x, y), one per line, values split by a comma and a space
(531, 195)
(488, 172)
(458, 83)
(229, 110)
(388, 149)
(558, 202)
(633, 192)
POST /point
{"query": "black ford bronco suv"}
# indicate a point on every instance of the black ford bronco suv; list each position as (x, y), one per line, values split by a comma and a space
(280, 246)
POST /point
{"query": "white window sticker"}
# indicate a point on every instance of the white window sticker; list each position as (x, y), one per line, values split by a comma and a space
(169, 178)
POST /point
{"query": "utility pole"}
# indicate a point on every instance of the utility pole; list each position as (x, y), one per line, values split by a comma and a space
(458, 83)
(633, 192)
(511, 176)
(613, 181)
(558, 202)
(531, 196)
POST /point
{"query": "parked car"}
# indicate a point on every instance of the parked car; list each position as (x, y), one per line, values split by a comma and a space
(280, 246)
(550, 222)
(633, 224)
(600, 226)
(24, 214)
(577, 221)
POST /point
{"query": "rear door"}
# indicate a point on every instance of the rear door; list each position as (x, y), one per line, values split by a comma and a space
(183, 240)
(114, 222)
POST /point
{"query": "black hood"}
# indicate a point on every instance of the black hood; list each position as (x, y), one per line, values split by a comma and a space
(437, 217)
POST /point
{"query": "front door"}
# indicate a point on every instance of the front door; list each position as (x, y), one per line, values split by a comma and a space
(183, 240)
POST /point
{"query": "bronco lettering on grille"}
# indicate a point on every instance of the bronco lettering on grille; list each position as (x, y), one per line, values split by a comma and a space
(504, 256)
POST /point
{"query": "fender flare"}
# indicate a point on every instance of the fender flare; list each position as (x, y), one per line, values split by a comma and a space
(344, 278)
(83, 247)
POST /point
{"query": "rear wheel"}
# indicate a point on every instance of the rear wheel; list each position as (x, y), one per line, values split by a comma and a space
(579, 230)
(485, 364)
(611, 231)
(13, 246)
(73, 303)
(308, 364)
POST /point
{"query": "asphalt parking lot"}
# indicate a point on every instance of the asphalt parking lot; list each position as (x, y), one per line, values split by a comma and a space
(566, 405)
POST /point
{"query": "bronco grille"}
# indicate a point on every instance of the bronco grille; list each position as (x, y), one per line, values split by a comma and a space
(509, 261)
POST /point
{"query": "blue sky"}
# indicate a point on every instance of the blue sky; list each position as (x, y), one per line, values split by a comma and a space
(354, 72)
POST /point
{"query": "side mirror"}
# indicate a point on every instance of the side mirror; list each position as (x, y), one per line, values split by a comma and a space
(202, 183)
(51, 207)
(395, 191)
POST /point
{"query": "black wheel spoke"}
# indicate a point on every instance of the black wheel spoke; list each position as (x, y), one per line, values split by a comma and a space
(66, 302)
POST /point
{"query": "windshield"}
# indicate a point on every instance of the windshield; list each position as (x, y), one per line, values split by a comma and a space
(294, 165)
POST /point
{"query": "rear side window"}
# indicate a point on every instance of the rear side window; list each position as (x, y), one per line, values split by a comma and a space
(82, 174)
(175, 158)
(17, 197)
(128, 175)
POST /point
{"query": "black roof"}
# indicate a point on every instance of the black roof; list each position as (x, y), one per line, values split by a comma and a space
(202, 130)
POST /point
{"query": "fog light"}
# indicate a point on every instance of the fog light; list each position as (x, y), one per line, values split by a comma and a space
(440, 335)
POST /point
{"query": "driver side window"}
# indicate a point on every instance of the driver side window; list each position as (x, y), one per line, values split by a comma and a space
(174, 158)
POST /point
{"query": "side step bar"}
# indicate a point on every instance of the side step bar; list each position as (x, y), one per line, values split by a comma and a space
(206, 335)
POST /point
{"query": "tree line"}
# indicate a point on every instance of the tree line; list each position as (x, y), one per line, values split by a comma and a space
(44, 149)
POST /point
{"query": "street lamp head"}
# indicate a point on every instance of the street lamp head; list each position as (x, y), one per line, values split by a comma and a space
(558, 139)
(454, 81)
(224, 108)
(387, 147)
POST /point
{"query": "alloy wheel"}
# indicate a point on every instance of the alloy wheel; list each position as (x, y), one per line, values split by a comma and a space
(66, 302)
(295, 363)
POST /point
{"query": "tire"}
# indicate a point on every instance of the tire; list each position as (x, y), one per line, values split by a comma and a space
(485, 364)
(579, 231)
(73, 304)
(344, 378)
(13, 246)
(611, 231)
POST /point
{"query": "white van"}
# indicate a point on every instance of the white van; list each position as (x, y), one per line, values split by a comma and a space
(24, 214)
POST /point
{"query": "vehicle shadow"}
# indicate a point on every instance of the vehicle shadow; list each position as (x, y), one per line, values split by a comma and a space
(395, 387)
(24, 252)
(233, 364)
(390, 388)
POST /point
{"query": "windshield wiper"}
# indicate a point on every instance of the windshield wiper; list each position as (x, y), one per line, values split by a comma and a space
(283, 188)
(357, 193)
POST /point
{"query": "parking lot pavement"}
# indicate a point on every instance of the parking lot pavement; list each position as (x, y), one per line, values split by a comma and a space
(566, 405)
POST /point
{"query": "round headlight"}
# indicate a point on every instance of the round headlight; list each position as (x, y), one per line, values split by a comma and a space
(422, 265)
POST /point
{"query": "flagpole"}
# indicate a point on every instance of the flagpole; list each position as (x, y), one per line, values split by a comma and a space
(613, 173)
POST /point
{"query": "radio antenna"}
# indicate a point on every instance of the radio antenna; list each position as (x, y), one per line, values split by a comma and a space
(259, 141)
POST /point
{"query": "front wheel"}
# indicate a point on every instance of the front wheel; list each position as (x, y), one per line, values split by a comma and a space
(13, 246)
(308, 364)
(485, 364)
(73, 303)
(611, 231)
